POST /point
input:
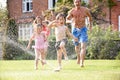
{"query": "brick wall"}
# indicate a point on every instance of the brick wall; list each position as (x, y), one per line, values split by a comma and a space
(15, 9)
(115, 12)
(114, 15)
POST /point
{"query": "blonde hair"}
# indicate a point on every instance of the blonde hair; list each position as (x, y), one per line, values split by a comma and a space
(39, 25)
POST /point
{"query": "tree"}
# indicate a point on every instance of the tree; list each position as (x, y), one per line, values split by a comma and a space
(11, 37)
(3, 17)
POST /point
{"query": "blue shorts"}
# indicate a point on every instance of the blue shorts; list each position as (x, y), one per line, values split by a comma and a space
(80, 34)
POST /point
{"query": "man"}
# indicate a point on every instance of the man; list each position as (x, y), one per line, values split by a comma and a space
(78, 14)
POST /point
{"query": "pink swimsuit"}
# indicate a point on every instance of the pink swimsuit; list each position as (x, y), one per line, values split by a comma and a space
(39, 41)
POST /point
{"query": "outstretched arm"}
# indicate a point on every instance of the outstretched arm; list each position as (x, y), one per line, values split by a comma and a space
(30, 41)
(90, 18)
(69, 17)
(52, 24)
(69, 34)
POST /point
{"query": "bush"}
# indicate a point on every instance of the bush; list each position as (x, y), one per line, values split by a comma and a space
(118, 56)
(102, 43)
(10, 47)
(52, 54)
(16, 51)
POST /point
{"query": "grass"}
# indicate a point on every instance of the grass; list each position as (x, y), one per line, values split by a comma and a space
(93, 70)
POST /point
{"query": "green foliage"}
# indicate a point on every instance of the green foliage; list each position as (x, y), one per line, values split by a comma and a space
(102, 43)
(11, 48)
(51, 54)
(11, 51)
(3, 17)
(118, 56)
(111, 3)
(12, 30)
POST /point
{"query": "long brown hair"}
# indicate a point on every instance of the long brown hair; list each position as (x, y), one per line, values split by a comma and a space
(39, 18)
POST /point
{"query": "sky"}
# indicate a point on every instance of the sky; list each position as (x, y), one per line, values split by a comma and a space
(2, 3)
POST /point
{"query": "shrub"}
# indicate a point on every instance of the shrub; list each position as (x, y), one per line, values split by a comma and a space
(102, 43)
(118, 56)
(11, 48)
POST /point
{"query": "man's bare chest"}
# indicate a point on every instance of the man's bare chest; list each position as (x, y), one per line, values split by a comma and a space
(79, 14)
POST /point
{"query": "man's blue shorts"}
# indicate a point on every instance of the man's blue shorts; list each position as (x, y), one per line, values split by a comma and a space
(80, 34)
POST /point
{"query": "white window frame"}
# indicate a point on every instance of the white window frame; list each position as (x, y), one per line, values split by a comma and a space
(50, 4)
(119, 22)
(24, 5)
(25, 31)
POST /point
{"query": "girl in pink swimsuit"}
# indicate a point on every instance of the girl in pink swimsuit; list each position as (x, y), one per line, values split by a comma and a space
(40, 39)
(45, 29)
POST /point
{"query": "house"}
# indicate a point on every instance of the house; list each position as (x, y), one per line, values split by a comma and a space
(112, 15)
(115, 15)
(23, 12)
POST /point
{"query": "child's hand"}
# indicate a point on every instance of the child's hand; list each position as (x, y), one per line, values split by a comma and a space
(28, 47)
(75, 39)
(55, 21)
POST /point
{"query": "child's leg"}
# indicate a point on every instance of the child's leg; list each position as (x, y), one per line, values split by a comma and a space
(77, 50)
(45, 50)
(62, 47)
(42, 57)
(59, 57)
(36, 58)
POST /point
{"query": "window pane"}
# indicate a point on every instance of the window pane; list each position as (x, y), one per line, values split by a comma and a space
(23, 7)
(28, 8)
(31, 6)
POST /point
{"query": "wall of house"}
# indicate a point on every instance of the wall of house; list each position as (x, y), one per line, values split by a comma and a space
(15, 9)
(39, 5)
(115, 15)
(24, 18)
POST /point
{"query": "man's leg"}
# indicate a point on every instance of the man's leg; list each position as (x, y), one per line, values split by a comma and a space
(82, 54)
(77, 50)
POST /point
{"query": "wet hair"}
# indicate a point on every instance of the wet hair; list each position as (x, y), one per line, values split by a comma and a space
(60, 15)
(39, 18)
(39, 25)
(74, 0)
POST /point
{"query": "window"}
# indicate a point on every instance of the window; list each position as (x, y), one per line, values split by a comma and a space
(27, 6)
(51, 3)
(25, 31)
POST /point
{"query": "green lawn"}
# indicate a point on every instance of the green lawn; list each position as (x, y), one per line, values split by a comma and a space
(93, 70)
